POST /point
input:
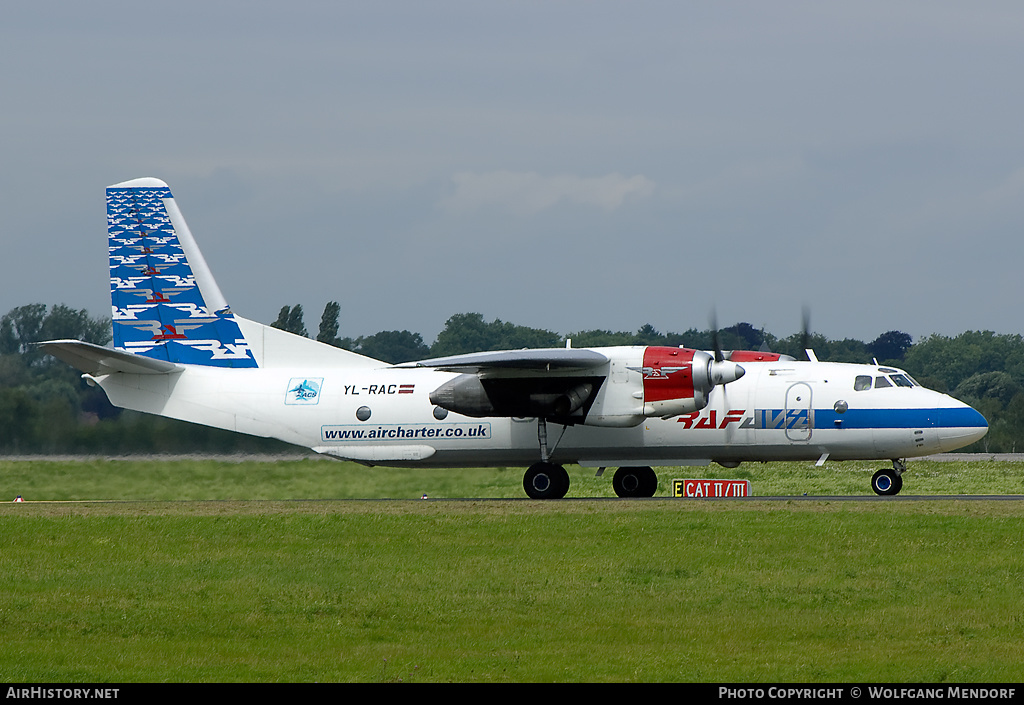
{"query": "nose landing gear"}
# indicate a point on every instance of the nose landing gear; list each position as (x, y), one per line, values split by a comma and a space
(888, 483)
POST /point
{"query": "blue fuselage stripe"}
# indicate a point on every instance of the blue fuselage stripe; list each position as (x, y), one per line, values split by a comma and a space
(964, 417)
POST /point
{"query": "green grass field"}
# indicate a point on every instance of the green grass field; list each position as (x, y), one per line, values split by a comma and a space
(182, 478)
(171, 586)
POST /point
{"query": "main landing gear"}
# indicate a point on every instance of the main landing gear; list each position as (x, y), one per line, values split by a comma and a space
(888, 482)
(547, 480)
(635, 482)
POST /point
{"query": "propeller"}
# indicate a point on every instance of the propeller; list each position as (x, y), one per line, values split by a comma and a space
(805, 327)
(720, 370)
(716, 343)
(805, 333)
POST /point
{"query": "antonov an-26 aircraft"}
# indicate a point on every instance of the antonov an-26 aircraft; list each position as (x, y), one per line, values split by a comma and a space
(180, 352)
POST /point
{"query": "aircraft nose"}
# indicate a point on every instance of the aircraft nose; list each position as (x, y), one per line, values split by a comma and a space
(960, 425)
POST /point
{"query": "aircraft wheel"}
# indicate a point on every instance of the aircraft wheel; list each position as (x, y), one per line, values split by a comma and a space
(546, 481)
(886, 482)
(635, 482)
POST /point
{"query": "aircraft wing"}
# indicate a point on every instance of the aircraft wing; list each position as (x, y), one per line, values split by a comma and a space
(553, 383)
(97, 360)
(539, 359)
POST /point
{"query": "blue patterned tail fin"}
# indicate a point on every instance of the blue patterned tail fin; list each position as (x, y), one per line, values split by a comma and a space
(166, 304)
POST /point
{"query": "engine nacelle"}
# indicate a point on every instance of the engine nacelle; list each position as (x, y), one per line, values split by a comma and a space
(672, 381)
(675, 381)
(679, 380)
(638, 383)
(562, 399)
(464, 395)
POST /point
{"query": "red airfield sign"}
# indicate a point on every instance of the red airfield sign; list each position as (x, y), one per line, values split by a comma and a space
(710, 488)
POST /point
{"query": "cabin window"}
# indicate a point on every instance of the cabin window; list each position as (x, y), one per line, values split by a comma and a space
(882, 382)
(861, 383)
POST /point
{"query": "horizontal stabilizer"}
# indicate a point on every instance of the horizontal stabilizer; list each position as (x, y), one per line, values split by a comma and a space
(97, 360)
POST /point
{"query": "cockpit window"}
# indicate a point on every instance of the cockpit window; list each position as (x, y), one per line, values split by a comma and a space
(897, 378)
(902, 381)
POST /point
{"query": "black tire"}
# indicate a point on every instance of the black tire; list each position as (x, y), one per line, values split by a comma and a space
(546, 481)
(886, 482)
(635, 482)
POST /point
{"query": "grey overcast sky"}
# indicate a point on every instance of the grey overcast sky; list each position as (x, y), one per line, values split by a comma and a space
(565, 165)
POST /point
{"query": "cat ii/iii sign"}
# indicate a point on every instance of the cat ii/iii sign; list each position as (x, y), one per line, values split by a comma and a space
(710, 488)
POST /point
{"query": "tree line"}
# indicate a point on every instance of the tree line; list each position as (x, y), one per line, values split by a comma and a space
(45, 406)
(469, 332)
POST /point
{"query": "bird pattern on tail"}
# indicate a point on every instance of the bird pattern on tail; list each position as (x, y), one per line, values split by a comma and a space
(158, 309)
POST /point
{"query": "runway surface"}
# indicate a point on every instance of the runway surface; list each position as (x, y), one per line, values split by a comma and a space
(755, 498)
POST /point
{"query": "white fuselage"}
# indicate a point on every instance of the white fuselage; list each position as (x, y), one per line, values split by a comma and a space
(776, 411)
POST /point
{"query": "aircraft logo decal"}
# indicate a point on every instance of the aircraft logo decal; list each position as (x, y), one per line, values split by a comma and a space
(304, 390)
(657, 372)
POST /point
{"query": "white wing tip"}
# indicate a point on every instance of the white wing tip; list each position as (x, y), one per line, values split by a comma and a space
(144, 182)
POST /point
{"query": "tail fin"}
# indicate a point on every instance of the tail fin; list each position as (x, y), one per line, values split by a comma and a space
(166, 304)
